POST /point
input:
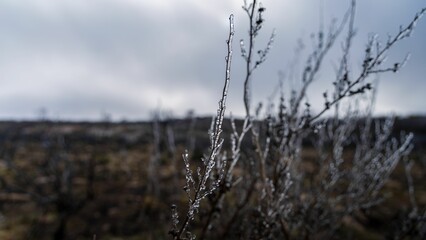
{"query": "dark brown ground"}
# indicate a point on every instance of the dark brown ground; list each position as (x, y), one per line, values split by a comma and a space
(108, 193)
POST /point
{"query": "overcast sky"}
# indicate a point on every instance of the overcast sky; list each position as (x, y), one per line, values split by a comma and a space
(80, 58)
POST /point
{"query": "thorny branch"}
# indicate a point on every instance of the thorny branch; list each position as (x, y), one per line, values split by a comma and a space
(201, 191)
(371, 64)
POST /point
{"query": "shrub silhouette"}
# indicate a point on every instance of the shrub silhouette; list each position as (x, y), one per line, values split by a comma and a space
(289, 172)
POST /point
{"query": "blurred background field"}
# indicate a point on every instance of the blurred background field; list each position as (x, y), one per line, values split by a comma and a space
(77, 180)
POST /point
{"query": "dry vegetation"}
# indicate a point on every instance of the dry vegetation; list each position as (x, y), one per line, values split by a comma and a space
(110, 175)
(281, 172)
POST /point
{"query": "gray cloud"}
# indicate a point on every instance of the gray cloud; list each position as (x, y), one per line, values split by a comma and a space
(79, 58)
